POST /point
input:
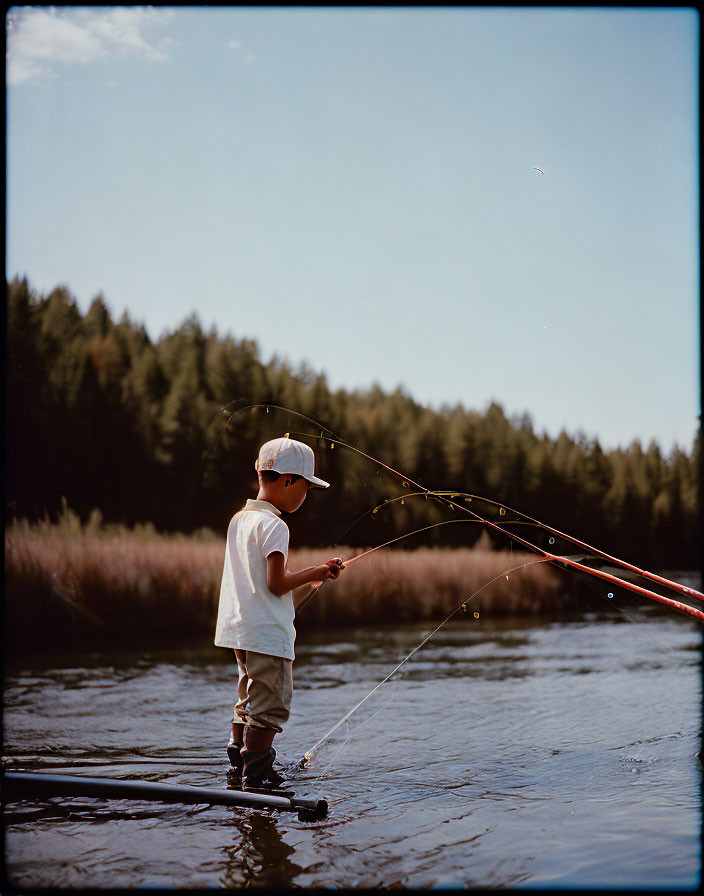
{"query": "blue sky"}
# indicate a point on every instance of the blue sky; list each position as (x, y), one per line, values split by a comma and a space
(357, 189)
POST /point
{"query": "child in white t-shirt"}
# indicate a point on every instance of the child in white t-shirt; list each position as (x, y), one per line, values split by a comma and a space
(257, 608)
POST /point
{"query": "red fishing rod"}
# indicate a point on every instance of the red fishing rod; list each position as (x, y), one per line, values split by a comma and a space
(677, 586)
(551, 558)
(523, 518)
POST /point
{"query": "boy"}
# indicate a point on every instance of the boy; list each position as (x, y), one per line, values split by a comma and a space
(257, 608)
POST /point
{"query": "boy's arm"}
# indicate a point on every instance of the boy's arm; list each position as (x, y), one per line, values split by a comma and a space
(281, 581)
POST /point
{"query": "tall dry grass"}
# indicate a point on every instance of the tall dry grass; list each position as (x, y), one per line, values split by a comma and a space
(98, 585)
(67, 584)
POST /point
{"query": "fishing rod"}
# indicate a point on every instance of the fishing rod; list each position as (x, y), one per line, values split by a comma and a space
(677, 586)
(554, 558)
(366, 553)
(524, 519)
(564, 562)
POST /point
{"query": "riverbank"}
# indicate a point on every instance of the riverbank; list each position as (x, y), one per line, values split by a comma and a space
(67, 584)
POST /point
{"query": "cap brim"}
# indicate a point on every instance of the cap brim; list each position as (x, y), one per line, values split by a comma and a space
(321, 483)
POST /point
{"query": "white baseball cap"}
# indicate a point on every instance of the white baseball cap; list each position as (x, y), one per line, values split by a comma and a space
(289, 456)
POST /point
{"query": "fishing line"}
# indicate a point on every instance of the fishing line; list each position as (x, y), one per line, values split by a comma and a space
(463, 606)
(308, 755)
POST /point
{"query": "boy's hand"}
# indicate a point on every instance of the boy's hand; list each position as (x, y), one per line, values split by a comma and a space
(335, 566)
(328, 570)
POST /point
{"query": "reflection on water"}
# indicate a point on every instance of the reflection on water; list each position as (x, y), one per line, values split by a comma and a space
(260, 856)
(507, 754)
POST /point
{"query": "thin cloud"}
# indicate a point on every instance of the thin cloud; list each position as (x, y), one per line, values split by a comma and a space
(40, 38)
(236, 45)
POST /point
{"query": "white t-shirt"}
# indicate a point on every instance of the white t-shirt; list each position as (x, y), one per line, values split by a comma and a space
(250, 617)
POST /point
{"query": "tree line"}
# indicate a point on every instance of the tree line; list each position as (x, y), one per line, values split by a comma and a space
(98, 415)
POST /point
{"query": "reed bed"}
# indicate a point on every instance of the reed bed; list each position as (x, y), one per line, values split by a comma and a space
(67, 585)
(100, 588)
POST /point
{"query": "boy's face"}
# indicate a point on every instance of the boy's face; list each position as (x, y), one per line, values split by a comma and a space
(294, 494)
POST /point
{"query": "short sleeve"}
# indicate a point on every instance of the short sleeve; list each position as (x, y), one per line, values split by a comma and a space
(275, 538)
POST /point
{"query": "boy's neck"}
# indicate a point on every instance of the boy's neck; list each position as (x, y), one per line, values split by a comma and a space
(267, 493)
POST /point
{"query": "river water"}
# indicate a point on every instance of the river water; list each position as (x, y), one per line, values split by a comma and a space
(509, 754)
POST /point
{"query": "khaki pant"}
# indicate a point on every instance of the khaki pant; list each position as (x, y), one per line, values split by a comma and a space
(264, 690)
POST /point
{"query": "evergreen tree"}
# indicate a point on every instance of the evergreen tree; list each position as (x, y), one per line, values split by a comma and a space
(98, 414)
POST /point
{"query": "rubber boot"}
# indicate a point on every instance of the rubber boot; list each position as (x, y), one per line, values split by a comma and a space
(234, 772)
(258, 756)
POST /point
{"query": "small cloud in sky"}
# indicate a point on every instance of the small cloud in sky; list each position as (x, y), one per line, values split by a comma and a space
(237, 45)
(39, 38)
